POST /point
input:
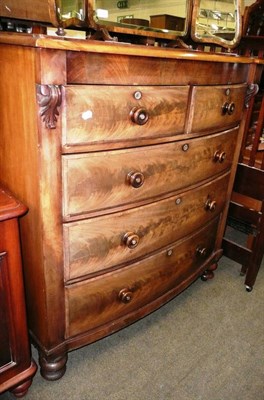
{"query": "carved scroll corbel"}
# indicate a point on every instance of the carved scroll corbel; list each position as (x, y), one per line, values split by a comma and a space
(252, 90)
(49, 99)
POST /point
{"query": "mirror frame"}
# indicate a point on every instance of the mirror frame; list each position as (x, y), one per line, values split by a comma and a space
(230, 44)
(115, 27)
(48, 13)
(60, 23)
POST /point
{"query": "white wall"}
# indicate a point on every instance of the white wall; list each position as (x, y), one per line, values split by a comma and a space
(143, 8)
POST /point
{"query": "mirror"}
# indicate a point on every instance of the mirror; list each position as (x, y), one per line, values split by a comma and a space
(71, 9)
(65, 13)
(217, 21)
(154, 18)
(137, 21)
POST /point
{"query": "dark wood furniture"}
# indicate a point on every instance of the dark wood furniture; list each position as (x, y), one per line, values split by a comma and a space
(165, 21)
(247, 200)
(16, 366)
(125, 156)
(246, 214)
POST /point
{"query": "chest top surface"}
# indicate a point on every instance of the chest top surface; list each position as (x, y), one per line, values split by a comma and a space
(10, 207)
(95, 46)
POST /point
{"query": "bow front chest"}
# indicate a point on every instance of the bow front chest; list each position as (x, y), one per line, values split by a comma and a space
(125, 156)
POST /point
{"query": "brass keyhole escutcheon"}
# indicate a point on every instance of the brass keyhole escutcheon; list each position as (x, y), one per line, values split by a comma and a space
(138, 95)
(185, 147)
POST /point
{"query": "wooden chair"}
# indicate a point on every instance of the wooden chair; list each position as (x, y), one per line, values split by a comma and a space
(246, 210)
(246, 214)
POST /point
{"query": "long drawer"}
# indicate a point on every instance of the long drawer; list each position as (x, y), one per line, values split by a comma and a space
(97, 244)
(139, 112)
(215, 107)
(101, 182)
(106, 298)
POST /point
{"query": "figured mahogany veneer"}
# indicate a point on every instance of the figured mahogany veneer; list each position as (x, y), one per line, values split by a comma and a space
(97, 244)
(159, 165)
(125, 156)
(93, 304)
(89, 113)
(213, 108)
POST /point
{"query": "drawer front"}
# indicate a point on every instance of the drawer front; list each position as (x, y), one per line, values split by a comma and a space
(109, 69)
(216, 107)
(100, 243)
(99, 114)
(104, 299)
(102, 181)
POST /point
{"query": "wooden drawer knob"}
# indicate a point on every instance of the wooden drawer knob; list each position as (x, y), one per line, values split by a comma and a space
(125, 295)
(201, 251)
(228, 108)
(131, 240)
(219, 156)
(136, 179)
(231, 108)
(139, 116)
(210, 205)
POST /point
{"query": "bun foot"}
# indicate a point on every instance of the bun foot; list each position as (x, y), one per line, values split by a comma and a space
(22, 389)
(26, 380)
(52, 368)
(208, 273)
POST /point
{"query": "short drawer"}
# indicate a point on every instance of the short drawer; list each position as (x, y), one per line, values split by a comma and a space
(98, 114)
(97, 244)
(216, 107)
(102, 300)
(104, 181)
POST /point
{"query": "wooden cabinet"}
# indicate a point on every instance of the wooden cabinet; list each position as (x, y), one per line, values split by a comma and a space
(165, 21)
(16, 366)
(125, 156)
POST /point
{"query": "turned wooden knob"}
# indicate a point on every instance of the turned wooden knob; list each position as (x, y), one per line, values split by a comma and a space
(210, 205)
(136, 179)
(219, 156)
(228, 108)
(231, 108)
(131, 240)
(125, 295)
(225, 108)
(139, 115)
(201, 251)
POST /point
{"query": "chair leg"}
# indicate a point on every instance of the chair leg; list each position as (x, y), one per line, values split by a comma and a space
(243, 270)
(253, 269)
(251, 277)
(250, 243)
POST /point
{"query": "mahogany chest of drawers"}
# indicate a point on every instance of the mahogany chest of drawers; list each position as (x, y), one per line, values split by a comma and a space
(125, 156)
